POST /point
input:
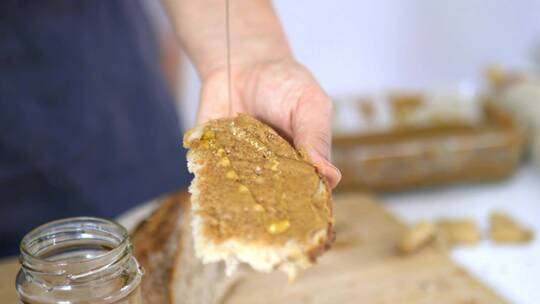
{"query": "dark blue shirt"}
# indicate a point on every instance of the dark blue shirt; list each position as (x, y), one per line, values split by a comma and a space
(87, 126)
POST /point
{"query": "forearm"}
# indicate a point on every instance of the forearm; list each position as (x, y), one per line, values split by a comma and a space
(256, 32)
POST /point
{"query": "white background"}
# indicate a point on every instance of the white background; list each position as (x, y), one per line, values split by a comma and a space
(357, 46)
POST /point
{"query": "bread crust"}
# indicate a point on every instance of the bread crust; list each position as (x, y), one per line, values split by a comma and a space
(163, 245)
(157, 245)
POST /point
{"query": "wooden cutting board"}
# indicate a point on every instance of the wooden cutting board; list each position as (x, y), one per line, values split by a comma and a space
(363, 267)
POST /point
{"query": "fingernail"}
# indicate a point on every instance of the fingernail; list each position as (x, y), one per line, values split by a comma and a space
(331, 173)
(324, 167)
(337, 174)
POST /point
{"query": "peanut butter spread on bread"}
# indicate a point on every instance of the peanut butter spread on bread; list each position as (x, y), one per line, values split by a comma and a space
(255, 187)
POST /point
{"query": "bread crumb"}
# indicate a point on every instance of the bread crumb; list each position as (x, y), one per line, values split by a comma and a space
(458, 231)
(417, 237)
(504, 229)
(449, 232)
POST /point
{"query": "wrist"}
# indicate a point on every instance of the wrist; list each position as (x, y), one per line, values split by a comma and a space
(247, 52)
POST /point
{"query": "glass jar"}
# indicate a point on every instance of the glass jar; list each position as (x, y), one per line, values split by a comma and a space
(78, 260)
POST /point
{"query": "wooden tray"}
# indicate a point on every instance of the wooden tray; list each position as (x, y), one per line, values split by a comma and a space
(403, 158)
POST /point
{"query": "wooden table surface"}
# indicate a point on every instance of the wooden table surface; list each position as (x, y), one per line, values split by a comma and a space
(363, 267)
(8, 270)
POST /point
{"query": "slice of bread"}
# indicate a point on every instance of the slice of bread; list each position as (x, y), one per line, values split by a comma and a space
(255, 198)
(163, 245)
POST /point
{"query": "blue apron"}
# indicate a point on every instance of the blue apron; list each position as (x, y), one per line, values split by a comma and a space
(87, 126)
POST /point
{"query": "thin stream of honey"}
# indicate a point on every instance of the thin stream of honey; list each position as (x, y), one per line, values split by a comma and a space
(228, 37)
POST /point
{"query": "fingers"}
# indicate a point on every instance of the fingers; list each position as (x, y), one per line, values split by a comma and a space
(311, 124)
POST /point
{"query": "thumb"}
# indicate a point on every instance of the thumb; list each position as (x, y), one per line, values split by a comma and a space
(214, 99)
(311, 125)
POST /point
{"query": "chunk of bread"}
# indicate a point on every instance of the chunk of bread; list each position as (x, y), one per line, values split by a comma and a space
(416, 237)
(255, 198)
(458, 231)
(163, 246)
(505, 229)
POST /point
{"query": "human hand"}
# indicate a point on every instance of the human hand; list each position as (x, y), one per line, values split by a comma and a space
(281, 93)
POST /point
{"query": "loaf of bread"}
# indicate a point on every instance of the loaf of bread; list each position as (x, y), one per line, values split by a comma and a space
(163, 246)
(255, 198)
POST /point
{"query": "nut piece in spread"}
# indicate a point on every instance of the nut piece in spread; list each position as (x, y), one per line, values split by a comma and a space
(255, 198)
(278, 227)
(504, 229)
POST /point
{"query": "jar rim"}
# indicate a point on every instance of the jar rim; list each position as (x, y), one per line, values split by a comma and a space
(77, 258)
(32, 261)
